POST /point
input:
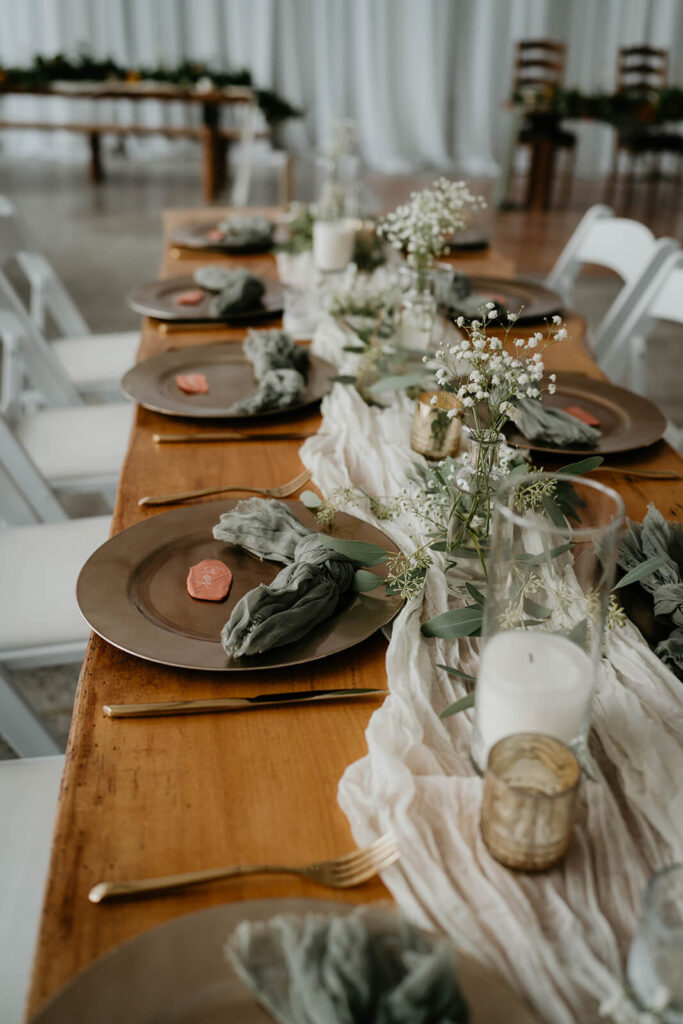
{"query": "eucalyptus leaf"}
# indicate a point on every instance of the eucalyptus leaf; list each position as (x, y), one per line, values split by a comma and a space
(311, 499)
(364, 581)
(537, 611)
(458, 673)
(396, 382)
(529, 559)
(639, 572)
(439, 545)
(353, 348)
(454, 624)
(359, 551)
(344, 378)
(553, 511)
(460, 705)
(579, 633)
(463, 553)
(476, 594)
(583, 466)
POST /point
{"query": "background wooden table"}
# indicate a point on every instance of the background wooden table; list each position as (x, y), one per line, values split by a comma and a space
(158, 796)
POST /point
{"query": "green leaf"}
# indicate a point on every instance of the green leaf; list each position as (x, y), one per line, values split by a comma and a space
(645, 568)
(343, 378)
(528, 559)
(354, 348)
(364, 581)
(455, 624)
(439, 545)
(460, 705)
(311, 499)
(457, 672)
(359, 551)
(476, 594)
(579, 633)
(537, 611)
(463, 553)
(396, 382)
(553, 511)
(583, 466)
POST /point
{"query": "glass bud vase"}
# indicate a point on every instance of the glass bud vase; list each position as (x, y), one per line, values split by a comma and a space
(469, 521)
(417, 309)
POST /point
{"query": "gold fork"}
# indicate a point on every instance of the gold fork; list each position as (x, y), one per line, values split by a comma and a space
(283, 491)
(341, 873)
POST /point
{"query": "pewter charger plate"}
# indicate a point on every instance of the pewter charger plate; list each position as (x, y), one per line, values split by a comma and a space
(230, 376)
(177, 973)
(157, 299)
(196, 236)
(132, 592)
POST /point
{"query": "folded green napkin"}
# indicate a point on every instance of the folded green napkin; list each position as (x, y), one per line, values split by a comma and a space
(552, 426)
(655, 536)
(213, 276)
(245, 231)
(237, 290)
(280, 367)
(306, 592)
(454, 296)
(370, 966)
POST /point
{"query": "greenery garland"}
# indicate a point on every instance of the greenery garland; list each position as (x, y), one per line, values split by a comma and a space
(45, 71)
(625, 110)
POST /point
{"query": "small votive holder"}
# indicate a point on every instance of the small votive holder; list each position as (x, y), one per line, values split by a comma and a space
(434, 434)
(530, 789)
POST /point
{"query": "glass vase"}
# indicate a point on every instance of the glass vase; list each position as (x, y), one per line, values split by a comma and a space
(551, 558)
(469, 519)
(417, 309)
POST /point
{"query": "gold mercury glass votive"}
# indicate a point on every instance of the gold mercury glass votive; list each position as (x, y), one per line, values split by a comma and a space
(433, 434)
(527, 812)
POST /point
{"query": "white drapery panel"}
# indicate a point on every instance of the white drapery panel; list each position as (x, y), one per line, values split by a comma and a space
(426, 80)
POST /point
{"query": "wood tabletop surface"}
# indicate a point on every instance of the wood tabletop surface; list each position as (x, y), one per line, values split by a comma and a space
(156, 796)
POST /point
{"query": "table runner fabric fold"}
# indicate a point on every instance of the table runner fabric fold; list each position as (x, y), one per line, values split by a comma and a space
(560, 939)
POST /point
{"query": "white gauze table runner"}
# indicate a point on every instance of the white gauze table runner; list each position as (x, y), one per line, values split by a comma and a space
(559, 938)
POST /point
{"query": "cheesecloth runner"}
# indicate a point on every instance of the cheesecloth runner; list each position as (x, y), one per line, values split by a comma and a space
(559, 938)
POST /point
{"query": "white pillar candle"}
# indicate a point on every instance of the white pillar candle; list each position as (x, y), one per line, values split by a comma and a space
(531, 681)
(415, 329)
(333, 244)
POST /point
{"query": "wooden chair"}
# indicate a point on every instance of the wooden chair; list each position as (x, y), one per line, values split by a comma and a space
(540, 69)
(641, 72)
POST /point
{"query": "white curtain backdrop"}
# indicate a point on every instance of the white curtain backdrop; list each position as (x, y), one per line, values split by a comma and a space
(426, 80)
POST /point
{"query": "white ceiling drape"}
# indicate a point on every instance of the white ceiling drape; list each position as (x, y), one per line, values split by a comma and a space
(426, 80)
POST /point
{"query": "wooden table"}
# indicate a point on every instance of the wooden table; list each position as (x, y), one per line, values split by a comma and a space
(158, 796)
(213, 137)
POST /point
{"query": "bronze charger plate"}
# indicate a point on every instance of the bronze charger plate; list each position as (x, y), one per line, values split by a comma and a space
(529, 300)
(627, 420)
(230, 376)
(196, 236)
(132, 592)
(157, 299)
(178, 973)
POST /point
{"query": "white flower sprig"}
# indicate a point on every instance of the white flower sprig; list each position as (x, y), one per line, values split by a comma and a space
(421, 226)
(483, 374)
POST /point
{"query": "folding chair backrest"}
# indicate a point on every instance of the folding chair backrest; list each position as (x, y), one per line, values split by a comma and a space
(25, 496)
(666, 304)
(48, 294)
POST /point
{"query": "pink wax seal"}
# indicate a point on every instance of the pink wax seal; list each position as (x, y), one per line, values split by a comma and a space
(214, 235)
(192, 383)
(192, 297)
(209, 580)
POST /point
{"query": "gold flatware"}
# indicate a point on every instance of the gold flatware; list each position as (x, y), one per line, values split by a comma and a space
(283, 491)
(262, 700)
(340, 873)
(654, 474)
(227, 435)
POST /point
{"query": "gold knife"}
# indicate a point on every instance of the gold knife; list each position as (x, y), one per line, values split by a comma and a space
(226, 435)
(193, 707)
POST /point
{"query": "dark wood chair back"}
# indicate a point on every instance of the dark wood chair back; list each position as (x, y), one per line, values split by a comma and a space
(539, 64)
(641, 69)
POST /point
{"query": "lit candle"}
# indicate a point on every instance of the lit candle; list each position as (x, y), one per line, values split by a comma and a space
(333, 244)
(531, 681)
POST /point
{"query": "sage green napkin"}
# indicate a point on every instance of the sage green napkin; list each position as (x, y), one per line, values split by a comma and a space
(370, 966)
(213, 276)
(655, 536)
(245, 231)
(454, 296)
(552, 426)
(237, 290)
(280, 368)
(304, 593)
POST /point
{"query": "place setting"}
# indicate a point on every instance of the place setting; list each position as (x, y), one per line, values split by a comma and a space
(237, 235)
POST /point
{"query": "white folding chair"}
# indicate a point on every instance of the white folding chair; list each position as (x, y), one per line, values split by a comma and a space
(28, 802)
(619, 244)
(93, 363)
(40, 623)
